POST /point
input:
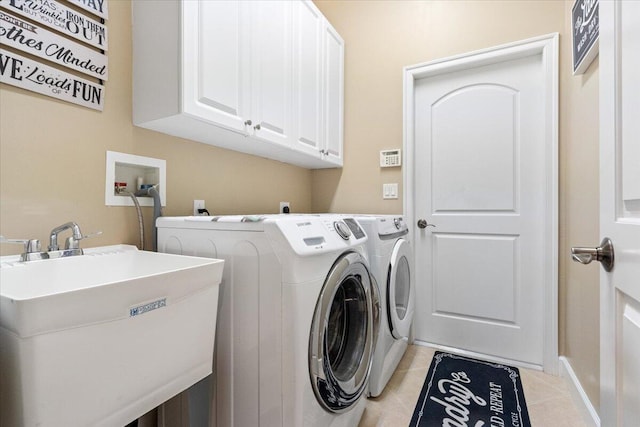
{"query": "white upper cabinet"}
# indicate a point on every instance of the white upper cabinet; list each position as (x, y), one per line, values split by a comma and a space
(215, 61)
(307, 73)
(318, 84)
(271, 71)
(333, 117)
(264, 77)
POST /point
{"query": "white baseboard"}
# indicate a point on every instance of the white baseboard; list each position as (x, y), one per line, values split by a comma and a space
(588, 412)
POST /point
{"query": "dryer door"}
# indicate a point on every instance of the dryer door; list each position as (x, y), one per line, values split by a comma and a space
(341, 340)
(400, 292)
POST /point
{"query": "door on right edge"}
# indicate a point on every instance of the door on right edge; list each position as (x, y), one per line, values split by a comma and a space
(620, 212)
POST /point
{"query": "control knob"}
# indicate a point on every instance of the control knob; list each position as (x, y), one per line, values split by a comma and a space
(342, 229)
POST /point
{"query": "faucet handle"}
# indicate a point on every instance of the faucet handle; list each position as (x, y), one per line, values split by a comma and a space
(90, 235)
(73, 242)
(32, 248)
(30, 245)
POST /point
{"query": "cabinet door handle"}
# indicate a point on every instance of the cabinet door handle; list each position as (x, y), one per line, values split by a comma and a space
(257, 127)
(248, 122)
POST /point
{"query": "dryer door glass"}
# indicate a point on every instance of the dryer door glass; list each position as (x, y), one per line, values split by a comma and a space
(341, 339)
(400, 292)
(402, 287)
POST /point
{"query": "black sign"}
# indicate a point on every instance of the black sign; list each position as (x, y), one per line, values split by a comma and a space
(585, 23)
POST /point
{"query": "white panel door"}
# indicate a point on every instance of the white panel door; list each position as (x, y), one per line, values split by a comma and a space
(620, 212)
(481, 176)
(271, 70)
(216, 63)
(334, 94)
(308, 77)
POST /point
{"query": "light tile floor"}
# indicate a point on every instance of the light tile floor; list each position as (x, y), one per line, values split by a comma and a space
(548, 399)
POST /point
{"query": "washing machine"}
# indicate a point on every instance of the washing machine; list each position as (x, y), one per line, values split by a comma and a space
(390, 258)
(295, 333)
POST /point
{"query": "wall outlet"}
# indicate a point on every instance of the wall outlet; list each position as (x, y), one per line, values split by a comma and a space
(198, 204)
(284, 207)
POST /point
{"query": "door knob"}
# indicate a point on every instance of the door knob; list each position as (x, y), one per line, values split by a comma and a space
(422, 223)
(603, 254)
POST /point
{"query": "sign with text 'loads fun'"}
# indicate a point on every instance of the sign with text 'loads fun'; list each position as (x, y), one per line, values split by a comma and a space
(22, 72)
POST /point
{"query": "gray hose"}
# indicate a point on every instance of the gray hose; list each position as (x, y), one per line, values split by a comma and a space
(157, 210)
(140, 220)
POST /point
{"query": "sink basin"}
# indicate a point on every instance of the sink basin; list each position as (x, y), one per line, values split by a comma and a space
(102, 338)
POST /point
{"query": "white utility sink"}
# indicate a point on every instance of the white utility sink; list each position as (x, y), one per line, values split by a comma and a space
(102, 338)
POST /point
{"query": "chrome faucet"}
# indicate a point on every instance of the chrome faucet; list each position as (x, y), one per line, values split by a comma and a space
(71, 243)
(32, 249)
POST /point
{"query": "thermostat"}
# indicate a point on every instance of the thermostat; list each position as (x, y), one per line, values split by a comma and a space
(390, 158)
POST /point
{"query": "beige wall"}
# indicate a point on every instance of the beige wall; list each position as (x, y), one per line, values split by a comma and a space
(382, 37)
(579, 218)
(52, 161)
(52, 154)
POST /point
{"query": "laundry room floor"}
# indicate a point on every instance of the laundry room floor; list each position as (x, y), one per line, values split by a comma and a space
(548, 399)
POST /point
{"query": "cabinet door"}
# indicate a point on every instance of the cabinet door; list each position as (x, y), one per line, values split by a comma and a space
(308, 78)
(333, 94)
(215, 62)
(271, 71)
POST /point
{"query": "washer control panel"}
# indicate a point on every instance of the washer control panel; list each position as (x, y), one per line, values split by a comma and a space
(357, 231)
(309, 234)
(342, 229)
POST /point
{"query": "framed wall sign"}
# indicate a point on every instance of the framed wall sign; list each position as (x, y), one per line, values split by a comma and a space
(63, 19)
(37, 41)
(97, 7)
(585, 25)
(65, 38)
(20, 71)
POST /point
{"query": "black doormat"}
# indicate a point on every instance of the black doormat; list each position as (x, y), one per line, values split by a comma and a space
(461, 391)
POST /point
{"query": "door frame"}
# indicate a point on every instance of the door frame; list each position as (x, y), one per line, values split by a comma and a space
(547, 46)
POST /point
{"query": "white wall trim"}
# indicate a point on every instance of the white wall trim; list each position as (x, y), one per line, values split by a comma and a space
(580, 398)
(548, 47)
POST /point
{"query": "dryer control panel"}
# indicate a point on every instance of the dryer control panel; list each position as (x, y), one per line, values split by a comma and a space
(390, 227)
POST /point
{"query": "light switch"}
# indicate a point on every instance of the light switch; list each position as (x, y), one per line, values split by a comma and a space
(390, 191)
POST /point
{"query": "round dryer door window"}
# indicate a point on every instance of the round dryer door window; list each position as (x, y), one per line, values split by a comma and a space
(401, 298)
(341, 340)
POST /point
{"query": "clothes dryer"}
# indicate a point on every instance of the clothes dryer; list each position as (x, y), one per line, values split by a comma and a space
(295, 334)
(390, 257)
